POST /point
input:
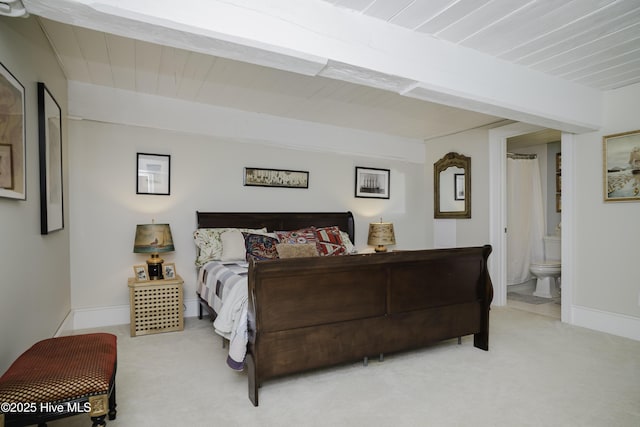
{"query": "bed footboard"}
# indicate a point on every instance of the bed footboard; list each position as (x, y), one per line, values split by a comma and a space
(315, 312)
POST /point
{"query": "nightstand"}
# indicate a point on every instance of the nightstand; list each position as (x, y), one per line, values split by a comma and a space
(156, 306)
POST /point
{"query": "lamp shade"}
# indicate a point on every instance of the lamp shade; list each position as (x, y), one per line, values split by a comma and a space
(153, 238)
(381, 234)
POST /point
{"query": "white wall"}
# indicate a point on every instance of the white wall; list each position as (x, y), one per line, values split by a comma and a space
(604, 291)
(207, 175)
(34, 269)
(606, 249)
(462, 232)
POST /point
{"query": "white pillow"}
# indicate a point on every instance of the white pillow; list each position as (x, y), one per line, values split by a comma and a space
(233, 248)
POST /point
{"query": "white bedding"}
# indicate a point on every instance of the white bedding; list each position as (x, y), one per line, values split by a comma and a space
(224, 287)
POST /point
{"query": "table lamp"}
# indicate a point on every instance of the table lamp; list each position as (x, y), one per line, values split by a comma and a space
(153, 239)
(381, 234)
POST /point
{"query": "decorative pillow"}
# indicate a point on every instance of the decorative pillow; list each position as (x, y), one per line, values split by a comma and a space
(329, 241)
(260, 246)
(233, 248)
(210, 245)
(304, 235)
(296, 250)
(346, 241)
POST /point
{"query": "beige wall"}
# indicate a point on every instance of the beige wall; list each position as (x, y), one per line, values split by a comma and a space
(607, 234)
(606, 289)
(473, 231)
(207, 175)
(34, 269)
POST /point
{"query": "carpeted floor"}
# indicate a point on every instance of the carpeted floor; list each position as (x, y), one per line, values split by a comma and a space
(537, 372)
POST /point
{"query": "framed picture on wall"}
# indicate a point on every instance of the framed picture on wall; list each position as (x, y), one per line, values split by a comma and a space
(258, 177)
(50, 140)
(372, 183)
(153, 174)
(621, 159)
(12, 137)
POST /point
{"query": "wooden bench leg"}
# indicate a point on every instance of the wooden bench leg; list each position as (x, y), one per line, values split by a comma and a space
(112, 403)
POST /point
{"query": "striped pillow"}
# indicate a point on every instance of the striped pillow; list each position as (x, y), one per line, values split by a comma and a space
(329, 241)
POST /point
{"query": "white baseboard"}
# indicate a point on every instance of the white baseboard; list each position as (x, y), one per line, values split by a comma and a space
(89, 318)
(603, 321)
(66, 327)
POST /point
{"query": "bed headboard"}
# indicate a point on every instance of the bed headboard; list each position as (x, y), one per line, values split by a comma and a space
(277, 220)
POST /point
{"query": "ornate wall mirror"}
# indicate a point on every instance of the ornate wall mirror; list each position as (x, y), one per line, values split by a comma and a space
(452, 186)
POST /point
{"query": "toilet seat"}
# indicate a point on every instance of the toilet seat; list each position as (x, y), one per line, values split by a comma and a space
(547, 264)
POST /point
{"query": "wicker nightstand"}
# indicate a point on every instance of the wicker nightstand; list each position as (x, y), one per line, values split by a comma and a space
(156, 306)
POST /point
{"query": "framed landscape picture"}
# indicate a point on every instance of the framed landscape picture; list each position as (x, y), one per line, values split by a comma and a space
(259, 177)
(621, 154)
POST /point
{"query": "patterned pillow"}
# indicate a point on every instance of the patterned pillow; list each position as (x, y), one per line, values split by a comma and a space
(346, 241)
(304, 235)
(329, 241)
(209, 242)
(296, 250)
(260, 246)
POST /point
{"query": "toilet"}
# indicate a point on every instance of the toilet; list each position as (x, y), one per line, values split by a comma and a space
(547, 271)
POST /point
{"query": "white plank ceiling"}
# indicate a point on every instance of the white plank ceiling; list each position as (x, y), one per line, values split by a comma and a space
(104, 59)
(595, 43)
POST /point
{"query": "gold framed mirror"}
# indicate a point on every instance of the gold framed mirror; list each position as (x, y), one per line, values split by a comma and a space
(452, 186)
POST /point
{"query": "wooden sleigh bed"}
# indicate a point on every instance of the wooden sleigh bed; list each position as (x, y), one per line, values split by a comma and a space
(314, 312)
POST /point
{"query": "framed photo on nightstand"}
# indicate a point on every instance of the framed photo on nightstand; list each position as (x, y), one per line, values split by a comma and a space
(141, 273)
(169, 270)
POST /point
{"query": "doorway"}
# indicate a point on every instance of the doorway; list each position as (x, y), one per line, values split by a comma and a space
(533, 220)
(498, 211)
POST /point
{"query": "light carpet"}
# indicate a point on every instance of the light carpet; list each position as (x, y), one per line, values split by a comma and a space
(537, 372)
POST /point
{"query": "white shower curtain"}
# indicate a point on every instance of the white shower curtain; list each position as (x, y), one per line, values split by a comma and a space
(525, 218)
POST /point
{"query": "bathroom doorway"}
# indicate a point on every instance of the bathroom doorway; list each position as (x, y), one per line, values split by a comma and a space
(533, 212)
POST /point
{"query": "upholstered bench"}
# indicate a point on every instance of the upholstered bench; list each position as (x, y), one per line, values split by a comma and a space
(61, 377)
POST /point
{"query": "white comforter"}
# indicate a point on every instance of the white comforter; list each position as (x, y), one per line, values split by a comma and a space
(230, 304)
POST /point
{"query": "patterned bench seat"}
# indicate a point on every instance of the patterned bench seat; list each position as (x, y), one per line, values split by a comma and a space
(61, 377)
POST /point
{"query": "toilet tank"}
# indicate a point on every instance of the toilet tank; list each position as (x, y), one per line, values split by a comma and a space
(552, 247)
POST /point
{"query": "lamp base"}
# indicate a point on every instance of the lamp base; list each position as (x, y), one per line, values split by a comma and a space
(381, 248)
(154, 265)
